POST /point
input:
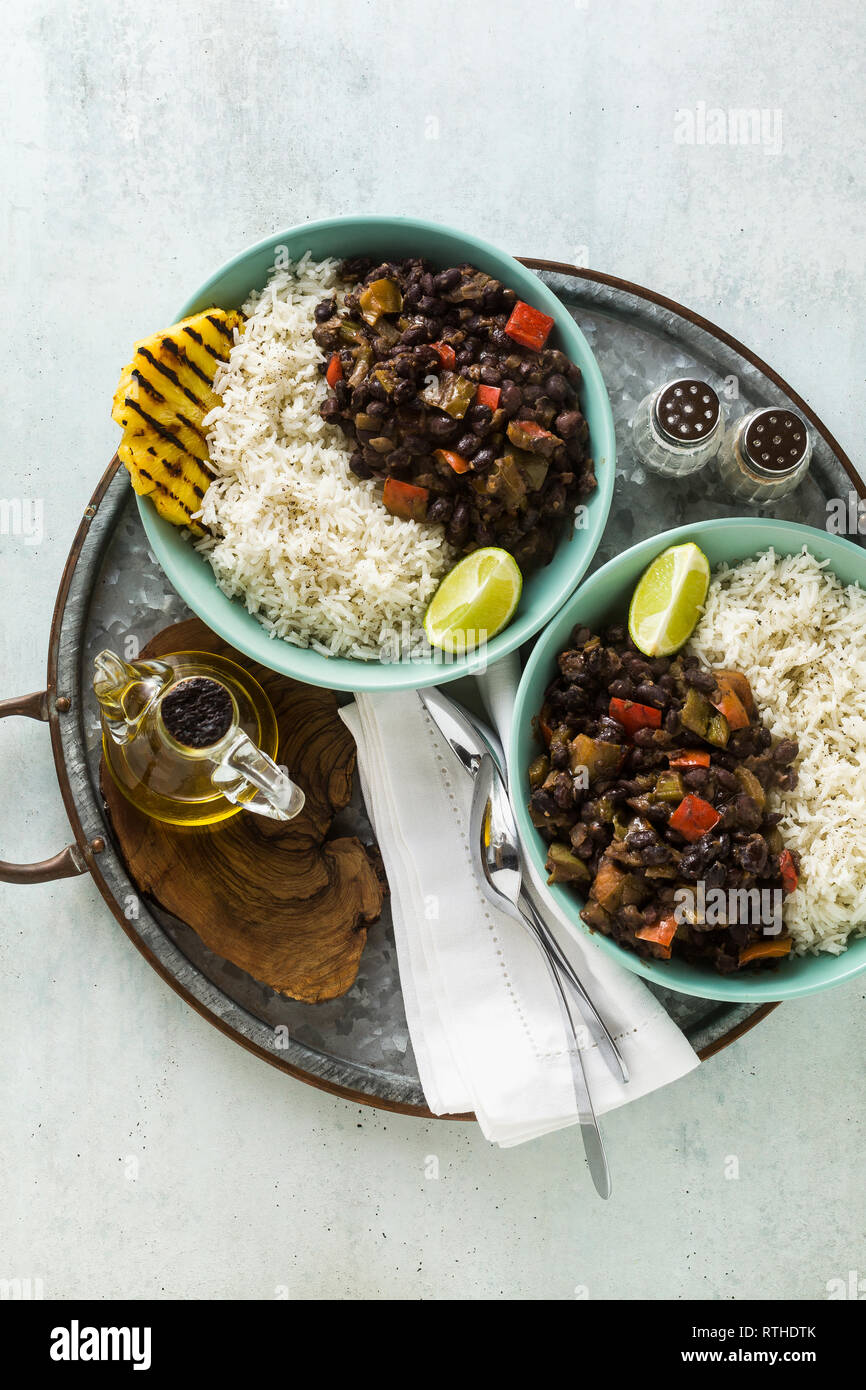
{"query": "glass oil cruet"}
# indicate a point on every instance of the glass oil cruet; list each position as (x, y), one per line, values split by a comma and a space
(191, 739)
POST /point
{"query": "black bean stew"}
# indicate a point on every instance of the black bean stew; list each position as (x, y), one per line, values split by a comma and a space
(653, 793)
(445, 385)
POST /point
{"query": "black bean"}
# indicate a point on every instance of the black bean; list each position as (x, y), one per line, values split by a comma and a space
(441, 426)
(648, 694)
(358, 466)
(563, 792)
(622, 689)
(727, 780)
(491, 376)
(325, 310)
(700, 678)
(432, 307)
(479, 415)
(413, 335)
(696, 778)
(639, 839)
(556, 387)
(467, 445)
(786, 751)
(483, 460)
(440, 509)
(744, 812)
(753, 854)
(446, 280)
(671, 722)
(458, 526)
(566, 423)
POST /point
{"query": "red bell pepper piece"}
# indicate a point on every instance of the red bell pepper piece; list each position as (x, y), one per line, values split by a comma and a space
(405, 499)
(765, 949)
(447, 355)
(788, 870)
(455, 461)
(693, 818)
(661, 934)
(736, 681)
(488, 395)
(335, 370)
(690, 757)
(633, 717)
(531, 429)
(528, 326)
(732, 707)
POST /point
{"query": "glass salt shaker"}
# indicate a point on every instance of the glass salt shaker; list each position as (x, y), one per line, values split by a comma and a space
(678, 427)
(765, 455)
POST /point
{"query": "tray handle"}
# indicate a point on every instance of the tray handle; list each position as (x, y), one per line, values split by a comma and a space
(70, 861)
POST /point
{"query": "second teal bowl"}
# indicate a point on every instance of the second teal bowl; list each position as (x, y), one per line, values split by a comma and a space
(602, 600)
(543, 593)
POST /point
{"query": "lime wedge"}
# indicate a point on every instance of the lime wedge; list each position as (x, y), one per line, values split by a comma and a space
(667, 602)
(474, 601)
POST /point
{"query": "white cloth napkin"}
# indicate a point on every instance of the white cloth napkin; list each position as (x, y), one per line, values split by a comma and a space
(483, 1015)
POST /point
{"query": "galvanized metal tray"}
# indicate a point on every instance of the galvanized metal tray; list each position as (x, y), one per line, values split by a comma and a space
(113, 593)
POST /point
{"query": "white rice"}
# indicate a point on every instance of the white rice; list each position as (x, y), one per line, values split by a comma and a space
(308, 546)
(800, 636)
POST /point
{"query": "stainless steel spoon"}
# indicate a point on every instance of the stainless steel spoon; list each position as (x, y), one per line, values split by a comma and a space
(496, 853)
(469, 738)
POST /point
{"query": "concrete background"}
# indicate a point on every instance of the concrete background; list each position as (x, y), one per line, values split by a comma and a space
(143, 1153)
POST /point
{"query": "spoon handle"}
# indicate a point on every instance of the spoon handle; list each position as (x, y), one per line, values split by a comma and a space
(593, 1019)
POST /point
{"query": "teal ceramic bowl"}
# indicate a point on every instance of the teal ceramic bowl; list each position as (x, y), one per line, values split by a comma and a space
(543, 593)
(604, 598)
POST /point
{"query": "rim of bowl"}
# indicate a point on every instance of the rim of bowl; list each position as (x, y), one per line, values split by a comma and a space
(833, 970)
(232, 620)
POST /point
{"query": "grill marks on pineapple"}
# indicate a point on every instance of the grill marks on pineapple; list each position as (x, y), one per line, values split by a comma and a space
(171, 375)
(197, 338)
(221, 326)
(165, 491)
(173, 436)
(161, 402)
(178, 352)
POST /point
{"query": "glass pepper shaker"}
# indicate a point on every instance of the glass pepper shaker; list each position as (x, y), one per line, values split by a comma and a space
(765, 455)
(678, 427)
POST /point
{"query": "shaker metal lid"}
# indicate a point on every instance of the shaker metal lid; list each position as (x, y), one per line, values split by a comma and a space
(775, 441)
(686, 411)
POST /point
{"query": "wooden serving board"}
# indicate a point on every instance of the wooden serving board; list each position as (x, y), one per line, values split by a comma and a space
(280, 900)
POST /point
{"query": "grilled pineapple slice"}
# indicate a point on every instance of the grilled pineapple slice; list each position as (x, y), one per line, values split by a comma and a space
(161, 400)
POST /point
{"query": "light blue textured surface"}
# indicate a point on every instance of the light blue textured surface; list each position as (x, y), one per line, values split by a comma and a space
(142, 1153)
